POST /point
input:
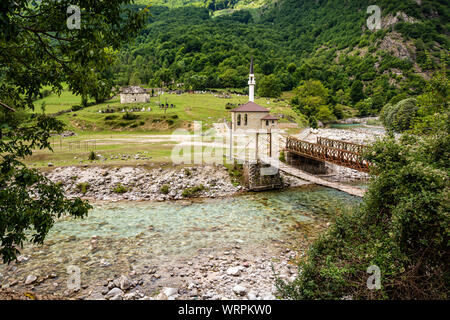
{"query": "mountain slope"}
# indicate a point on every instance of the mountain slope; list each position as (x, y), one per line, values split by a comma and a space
(294, 40)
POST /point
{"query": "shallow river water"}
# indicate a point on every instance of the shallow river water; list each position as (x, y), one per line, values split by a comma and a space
(117, 237)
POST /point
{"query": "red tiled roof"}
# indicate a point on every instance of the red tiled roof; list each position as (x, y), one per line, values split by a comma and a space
(250, 107)
(269, 117)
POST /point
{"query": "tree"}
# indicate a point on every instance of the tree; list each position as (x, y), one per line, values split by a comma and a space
(269, 87)
(402, 227)
(356, 91)
(37, 48)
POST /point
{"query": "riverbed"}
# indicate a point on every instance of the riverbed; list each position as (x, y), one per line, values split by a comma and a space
(202, 249)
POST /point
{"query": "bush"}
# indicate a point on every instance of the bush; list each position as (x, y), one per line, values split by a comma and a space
(282, 156)
(165, 189)
(399, 117)
(92, 156)
(83, 187)
(119, 188)
(110, 117)
(402, 227)
(129, 116)
(313, 122)
(190, 192)
(76, 108)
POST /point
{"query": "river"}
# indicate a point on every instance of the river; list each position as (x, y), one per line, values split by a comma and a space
(134, 237)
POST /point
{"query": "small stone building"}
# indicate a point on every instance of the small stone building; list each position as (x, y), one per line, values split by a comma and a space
(251, 116)
(134, 94)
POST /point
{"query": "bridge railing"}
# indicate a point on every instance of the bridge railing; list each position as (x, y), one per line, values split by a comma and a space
(323, 152)
(342, 145)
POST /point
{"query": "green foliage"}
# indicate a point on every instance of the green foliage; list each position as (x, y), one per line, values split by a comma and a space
(313, 122)
(37, 49)
(399, 117)
(119, 188)
(291, 40)
(130, 116)
(282, 157)
(402, 227)
(92, 156)
(433, 106)
(269, 87)
(83, 187)
(356, 91)
(236, 173)
(165, 189)
(193, 191)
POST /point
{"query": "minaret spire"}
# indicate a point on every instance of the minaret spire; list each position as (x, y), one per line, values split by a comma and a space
(251, 83)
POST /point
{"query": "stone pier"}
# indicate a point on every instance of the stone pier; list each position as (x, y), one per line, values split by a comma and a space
(261, 176)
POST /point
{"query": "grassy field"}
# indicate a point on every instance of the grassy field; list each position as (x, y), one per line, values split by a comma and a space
(207, 108)
(114, 134)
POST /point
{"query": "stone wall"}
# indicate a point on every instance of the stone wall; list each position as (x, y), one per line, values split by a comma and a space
(253, 120)
(260, 176)
(134, 98)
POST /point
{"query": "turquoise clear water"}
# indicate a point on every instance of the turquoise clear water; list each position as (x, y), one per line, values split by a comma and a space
(179, 226)
(154, 232)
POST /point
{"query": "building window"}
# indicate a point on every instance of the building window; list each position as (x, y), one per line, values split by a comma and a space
(267, 122)
(239, 120)
(245, 119)
(273, 121)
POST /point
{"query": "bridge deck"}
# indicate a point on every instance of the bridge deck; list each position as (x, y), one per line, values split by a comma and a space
(311, 178)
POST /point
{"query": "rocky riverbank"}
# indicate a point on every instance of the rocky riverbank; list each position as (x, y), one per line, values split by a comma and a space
(232, 272)
(140, 183)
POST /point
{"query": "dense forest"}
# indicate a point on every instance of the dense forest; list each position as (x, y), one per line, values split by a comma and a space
(323, 45)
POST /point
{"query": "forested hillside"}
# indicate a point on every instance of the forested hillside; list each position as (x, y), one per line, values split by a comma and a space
(293, 41)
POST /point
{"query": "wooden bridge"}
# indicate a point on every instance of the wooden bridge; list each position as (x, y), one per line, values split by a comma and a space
(342, 153)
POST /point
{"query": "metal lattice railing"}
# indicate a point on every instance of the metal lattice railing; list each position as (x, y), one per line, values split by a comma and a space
(324, 152)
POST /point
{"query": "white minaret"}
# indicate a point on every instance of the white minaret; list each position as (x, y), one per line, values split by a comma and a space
(251, 84)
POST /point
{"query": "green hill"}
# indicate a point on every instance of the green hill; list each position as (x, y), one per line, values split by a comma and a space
(185, 43)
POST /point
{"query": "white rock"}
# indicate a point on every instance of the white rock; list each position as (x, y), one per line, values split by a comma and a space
(113, 293)
(234, 271)
(170, 291)
(30, 279)
(124, 282)
(240, 290)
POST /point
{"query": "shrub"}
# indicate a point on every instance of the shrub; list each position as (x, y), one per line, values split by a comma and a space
(235, 171)
(187, 172)
(129, 116)
(190, 192)
(110, 117)
(165, 189)
(282, 156)
(120, 188)
(402, 227)
(83, 187)
(399, 117)
(313, 122)
(92, 156)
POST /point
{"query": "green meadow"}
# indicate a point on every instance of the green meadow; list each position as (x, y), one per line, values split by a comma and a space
(117, 134)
